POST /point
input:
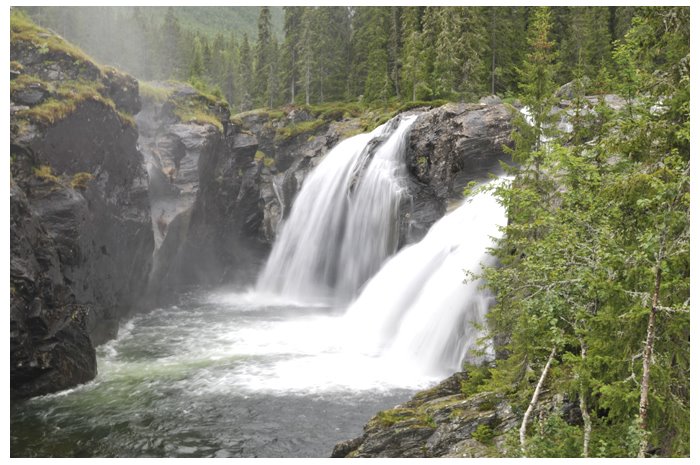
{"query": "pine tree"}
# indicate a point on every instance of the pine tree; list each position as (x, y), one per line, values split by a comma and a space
(587, 42)
(246, 75)
(307, 51)
(292, 49)
(263, 59)
(170, 56)
(411, 51)
(377, 85)
(537, 73)
(594, 272)
(506, 27)
(197, 62)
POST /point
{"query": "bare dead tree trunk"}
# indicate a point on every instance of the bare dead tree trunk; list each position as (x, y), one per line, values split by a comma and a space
(583, 405)
(646, 362)
(535, 398)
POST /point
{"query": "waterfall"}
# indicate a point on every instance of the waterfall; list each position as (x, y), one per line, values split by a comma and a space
(411, 309)
(418, 309)
(344, 222)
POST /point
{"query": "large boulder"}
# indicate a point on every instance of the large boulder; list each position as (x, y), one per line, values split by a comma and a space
(457, 143)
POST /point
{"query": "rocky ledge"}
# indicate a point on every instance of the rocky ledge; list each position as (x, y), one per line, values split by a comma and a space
(449, 421)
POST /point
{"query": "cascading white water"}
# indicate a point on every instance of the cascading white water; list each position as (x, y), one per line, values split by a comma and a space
(344, 222)
(417, 308)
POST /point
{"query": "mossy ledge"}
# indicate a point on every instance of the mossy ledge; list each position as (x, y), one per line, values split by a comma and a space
(52, 78)
(460, 417)
(186, 103)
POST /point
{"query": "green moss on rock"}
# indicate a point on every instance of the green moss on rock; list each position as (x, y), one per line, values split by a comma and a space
(295, 129)
(81, 180)
(63, 77)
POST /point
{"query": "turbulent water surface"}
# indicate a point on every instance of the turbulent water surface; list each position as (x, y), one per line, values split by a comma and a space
(220, 375)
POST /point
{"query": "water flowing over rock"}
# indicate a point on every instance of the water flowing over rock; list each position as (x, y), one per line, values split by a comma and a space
(344, 222)
(418, 308)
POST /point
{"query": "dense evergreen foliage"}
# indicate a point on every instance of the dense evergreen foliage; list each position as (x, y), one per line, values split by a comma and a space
(593, 290)
(323, 54)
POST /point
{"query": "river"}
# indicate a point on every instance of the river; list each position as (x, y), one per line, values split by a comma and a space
(219, 375)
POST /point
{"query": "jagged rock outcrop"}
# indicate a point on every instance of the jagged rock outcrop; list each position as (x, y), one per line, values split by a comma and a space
(443, 422)
(205, 190)
(290, 144)
(457, 143)
(81, 239)
(448, 146)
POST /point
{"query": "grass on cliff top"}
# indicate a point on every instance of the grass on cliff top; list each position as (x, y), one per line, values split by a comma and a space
(154, 93)
(369, 115)
(22, 29)
(63, 99)
(194, 108)
(387, 418)
(193, 114)
(296, 129)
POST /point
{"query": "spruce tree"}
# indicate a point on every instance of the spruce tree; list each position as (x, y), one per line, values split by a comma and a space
(291, 50)
(411, 53)
(246, 75)
(263, 59)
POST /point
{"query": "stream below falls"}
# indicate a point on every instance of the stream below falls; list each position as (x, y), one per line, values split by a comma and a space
(219, 375)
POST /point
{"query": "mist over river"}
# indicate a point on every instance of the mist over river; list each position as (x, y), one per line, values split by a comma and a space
(219, 375)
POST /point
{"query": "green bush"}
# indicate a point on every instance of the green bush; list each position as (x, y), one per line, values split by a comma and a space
(477, 376)
(484, 434)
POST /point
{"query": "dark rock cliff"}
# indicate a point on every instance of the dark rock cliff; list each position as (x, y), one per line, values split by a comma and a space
(448, 147)
(204, 189)
(81, 239)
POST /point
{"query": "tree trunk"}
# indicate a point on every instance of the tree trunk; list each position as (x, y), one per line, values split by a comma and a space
(493, 50)
(583, 405)
(535, 398)
(293, 77)
(307, 81)
(646, 364)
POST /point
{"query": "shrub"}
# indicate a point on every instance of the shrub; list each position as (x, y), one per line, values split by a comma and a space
(484, 434)
(477, 377)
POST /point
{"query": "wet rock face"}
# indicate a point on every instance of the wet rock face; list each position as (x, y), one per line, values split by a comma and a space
(447, 147)
(81, 239)
(97, 232)
(457, 143)
(289, 159)
(49, 345)
(103, 227)
(205, 195)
